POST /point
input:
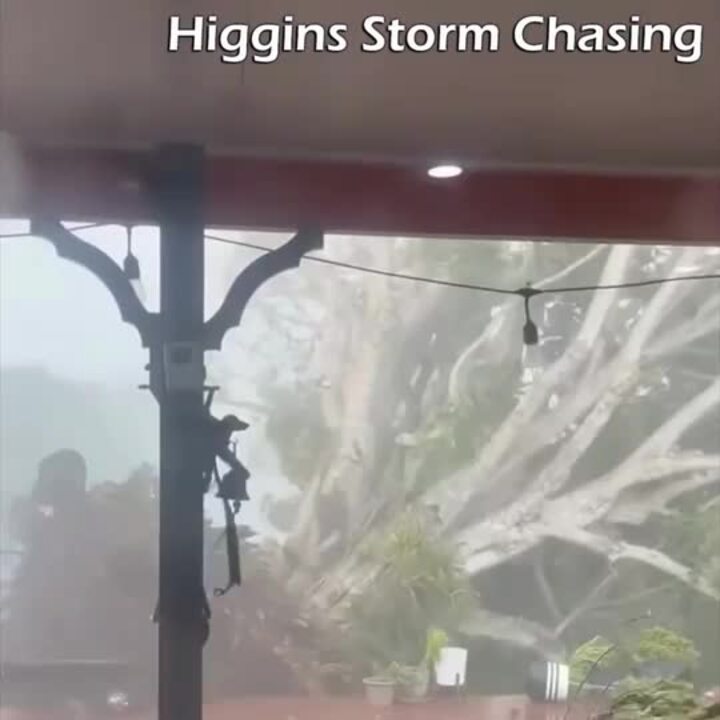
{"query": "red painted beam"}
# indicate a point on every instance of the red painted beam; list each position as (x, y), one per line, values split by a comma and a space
(109, 186)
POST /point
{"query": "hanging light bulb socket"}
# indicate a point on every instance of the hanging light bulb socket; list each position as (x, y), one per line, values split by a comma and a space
(531, 335)
(131, 265)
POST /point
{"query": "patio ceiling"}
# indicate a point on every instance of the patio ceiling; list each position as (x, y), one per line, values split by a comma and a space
(96, 72)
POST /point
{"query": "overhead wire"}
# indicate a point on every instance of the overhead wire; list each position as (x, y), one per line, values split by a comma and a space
(522, 292)
(531, 335)
(530, 331)
(525, 292)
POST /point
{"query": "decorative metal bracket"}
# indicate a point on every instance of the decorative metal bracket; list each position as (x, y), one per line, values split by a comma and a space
(148, 324)
(70, 247)
(251, 278)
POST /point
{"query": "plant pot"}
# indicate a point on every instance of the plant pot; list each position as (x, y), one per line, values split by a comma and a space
(415, 688)
(548, 682)
(379, 691)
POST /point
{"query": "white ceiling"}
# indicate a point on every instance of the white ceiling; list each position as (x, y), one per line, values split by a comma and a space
(96, 71)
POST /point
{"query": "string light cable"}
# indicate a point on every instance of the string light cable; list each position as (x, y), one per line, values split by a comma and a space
(527, 293)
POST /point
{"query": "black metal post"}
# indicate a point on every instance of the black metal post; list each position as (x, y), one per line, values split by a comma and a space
(177, 338)
(178, 192)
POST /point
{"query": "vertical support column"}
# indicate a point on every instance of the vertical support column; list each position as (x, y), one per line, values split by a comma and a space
(178, 191)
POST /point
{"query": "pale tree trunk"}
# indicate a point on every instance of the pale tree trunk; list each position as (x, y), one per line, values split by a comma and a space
(494, 507)
(587, 409)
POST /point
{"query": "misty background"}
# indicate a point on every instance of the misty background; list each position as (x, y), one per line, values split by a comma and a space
(71, 367)
(542, 495)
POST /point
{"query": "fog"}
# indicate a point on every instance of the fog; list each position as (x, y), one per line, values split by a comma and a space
(422, 481)
(57, 317)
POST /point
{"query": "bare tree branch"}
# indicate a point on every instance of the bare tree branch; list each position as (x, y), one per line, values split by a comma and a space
(594, 501)
(515, 631)
(617, 551)
(451, 496)
(587, 602)
(681, 337)
(532, 518)
(500, 320)
(545, 589)
(626, 600)
(637, 511)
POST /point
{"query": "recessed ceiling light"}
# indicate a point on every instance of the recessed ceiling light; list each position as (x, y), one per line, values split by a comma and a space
(445, 171)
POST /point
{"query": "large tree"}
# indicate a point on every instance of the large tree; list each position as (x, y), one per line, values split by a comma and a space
(550, 465)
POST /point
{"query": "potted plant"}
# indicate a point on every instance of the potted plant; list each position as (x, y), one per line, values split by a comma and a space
(393, 623)
(414, 680)
(380, 687)
(649, 674)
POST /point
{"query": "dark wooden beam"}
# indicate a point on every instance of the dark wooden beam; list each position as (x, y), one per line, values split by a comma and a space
(98, 185)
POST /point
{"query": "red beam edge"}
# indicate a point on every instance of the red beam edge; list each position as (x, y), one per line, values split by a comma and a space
(109, 186)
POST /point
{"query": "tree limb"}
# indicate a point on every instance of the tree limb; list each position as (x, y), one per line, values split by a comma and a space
(453, 494)
(495, 326)
(617, 551)
(546, 590)
(637, 511)
(586, 603)
(515, 631)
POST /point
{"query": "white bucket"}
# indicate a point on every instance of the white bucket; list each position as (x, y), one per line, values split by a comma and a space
(451, 667)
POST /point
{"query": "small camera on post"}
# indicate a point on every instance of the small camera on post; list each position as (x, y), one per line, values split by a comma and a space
(183, 366)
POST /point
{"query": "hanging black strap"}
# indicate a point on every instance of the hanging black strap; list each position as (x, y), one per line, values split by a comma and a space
(233, 548)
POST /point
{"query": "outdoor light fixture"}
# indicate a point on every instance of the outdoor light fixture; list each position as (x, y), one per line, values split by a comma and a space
(531, 336)
(530, 333)
(131, 265)
(444, 172)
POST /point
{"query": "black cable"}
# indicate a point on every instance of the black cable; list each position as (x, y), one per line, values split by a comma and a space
(371, 271)
(522, 292)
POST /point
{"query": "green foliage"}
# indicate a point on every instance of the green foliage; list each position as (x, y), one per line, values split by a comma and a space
(637, 697)
(403, 674)
(654, 699)
(436, 640)
(659, 643)
(650, 645)
(596, 654)
(420, 589)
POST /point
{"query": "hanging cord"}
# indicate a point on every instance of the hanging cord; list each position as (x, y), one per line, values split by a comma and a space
(231, 508)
